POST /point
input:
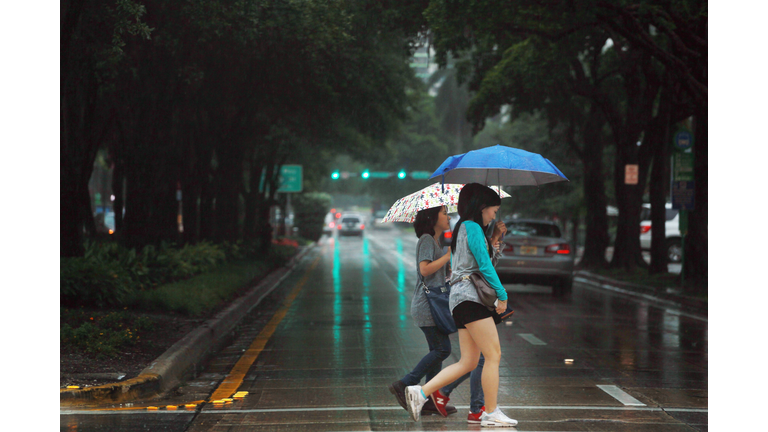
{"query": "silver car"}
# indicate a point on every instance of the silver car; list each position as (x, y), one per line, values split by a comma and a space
(534, 251)
(351, 224)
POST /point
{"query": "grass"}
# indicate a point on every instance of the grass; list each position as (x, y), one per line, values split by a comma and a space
(105, 333)
(202, 294)
(102, 334)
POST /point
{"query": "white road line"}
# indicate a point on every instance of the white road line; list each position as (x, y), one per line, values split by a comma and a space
(620, 395)
(531, 338)
(379, 408)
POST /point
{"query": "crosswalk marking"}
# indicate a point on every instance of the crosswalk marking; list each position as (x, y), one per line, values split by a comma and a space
(620, 395)
(532, 339)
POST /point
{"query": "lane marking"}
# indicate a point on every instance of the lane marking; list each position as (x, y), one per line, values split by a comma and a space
(620, 395)
(236, 376)
(385, 408)
(533, 340)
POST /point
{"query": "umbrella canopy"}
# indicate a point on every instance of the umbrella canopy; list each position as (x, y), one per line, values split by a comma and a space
(499, 165)
(405, 209)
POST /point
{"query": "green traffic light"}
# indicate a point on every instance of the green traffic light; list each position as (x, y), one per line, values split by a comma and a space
(401, 174)
(366, 174)
(335, 175)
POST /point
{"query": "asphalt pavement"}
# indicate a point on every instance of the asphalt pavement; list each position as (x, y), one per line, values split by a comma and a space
(322, 345)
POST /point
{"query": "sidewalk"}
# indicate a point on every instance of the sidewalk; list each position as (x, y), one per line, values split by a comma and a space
(667, 296)
(188, 354)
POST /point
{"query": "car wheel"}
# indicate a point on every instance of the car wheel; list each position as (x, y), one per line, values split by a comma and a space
(562, 287)
(674, 251)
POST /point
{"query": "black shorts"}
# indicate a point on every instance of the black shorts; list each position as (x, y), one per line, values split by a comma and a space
(469, 311)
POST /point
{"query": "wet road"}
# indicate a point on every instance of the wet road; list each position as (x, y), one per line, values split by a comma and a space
(319, 352)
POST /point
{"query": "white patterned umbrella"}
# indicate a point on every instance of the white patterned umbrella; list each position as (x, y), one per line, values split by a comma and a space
(436, 195)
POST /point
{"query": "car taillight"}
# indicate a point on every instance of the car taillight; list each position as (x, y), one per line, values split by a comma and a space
(362, 226)
(644, 229)
(332, 224)
(508, 248)
(559, 248)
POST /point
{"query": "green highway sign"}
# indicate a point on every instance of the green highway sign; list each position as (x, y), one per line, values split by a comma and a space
(291, 179)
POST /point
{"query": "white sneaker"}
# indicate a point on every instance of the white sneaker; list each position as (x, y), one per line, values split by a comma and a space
(414, 401)
(496, 419)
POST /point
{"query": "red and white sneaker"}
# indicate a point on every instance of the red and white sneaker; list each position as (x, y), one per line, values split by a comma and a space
(475, 418)
(440, 402)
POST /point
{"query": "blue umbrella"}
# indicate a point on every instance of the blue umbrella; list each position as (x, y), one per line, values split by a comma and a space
(499, 165)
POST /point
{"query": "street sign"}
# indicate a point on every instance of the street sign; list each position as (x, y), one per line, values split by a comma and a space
(683, 140)
(682, 166)
(291, 179)
(682, 195)
(631, 174)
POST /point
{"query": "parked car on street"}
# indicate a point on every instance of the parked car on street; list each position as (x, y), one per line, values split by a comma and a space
(351, 224)
(534, 251)
(673, 242)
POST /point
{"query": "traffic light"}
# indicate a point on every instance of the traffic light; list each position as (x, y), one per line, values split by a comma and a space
(366, 174)
(335, 175)
(401, 174)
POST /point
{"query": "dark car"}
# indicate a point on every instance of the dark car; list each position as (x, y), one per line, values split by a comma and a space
(534, 251)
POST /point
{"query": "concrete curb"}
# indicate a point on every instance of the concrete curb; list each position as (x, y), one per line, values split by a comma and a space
(189, 354)
(660, 295)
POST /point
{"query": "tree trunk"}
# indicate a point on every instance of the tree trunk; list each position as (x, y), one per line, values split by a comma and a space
(597, 239)
(658, 134)
(70, 222)
(230, 176)
(696, 252)
(626, 249)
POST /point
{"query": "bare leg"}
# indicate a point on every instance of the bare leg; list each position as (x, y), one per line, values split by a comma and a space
(470, 355)
(485, 336)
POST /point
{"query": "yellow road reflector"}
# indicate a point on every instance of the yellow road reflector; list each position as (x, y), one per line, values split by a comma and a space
(171, 407)
(152, 408)
(73, 387)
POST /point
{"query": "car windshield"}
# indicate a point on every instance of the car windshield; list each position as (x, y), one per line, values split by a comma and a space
(350, 220)
(533, 229)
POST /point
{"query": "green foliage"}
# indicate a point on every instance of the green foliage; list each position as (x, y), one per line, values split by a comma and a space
(102, 334)
(109, 273)
(309, 213)
(203, 294)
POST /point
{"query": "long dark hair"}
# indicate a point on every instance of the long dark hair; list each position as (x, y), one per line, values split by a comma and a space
(426, 220)
(472, 201)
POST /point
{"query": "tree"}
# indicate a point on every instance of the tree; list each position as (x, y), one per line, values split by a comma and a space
(93, 35)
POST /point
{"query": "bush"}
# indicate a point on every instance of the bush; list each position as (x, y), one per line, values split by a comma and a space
(108, 273)
(93, 282)
(309, 213)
